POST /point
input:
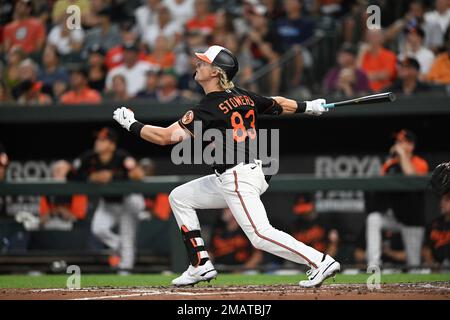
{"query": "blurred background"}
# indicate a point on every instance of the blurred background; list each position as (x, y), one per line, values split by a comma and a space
(77, 189)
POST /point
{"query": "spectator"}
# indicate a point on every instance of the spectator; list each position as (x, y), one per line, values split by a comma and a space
(440, 69)
(376, 61)
(441, 15)
(161, 55)
(164, 26)
(402, 211)
(414, 48)
(229, 245)
(80, 93)
(414, 18)
(261, 43)
(133, 70)
(312, 228)
(4, 93)
(118, 89)
(293, 31)
(147, 15)
(129, 35)
(223, 28)
(408, 78)
(65, 40)
(30, 93)
(436, 250)
(11, 74)
(27, 72)
(24, 31)
(51, 71)
(59, 212)
(180, 10)
(346, 79)
(106, 35)
(151, 84)
(203, 21)
(103, 164)
(167, 89)
(97, 68)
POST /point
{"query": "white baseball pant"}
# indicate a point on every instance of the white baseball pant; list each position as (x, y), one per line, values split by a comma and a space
(239, 189)
(412, 237)
(125, 214)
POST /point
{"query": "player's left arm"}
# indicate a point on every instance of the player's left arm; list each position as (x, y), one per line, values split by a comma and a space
(154, 134)
(290, 106)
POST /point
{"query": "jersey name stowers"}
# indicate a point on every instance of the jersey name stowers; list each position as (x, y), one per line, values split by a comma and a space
(234, 102)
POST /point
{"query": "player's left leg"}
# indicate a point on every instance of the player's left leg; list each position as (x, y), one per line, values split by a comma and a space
(242, 188)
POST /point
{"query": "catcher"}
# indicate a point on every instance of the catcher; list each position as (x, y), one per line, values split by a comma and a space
(235, 184)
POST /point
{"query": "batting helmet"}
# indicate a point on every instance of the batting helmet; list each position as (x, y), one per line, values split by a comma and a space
(222, 58)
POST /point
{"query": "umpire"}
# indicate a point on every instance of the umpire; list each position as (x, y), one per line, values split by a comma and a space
(103, 164)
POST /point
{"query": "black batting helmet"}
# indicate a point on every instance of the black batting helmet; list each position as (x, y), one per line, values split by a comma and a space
(222, 58)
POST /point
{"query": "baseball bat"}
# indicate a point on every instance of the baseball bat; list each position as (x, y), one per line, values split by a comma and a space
(374, 98)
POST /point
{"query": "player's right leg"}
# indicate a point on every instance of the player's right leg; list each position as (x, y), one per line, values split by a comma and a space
(202, 193)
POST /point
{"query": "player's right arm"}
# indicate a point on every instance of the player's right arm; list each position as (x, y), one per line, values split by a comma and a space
(154, 134)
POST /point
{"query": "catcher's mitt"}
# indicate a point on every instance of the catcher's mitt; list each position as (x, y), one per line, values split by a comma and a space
(440, 178)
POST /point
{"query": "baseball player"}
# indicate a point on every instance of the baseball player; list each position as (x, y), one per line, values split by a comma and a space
(101, 165)
(235, 184)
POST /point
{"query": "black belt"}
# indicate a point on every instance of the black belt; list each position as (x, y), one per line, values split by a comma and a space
(221, 168)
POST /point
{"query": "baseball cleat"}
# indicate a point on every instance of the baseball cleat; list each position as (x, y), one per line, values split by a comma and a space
(327, 269)
(195, 275)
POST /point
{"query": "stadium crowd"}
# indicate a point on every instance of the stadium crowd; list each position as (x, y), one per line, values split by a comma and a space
(144, 49)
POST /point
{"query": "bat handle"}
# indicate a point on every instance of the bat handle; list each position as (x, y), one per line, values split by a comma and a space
(328, 105)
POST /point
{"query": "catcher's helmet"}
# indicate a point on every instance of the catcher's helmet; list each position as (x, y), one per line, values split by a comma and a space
(221, 57)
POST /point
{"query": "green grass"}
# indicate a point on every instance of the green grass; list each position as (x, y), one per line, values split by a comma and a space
(59, 281)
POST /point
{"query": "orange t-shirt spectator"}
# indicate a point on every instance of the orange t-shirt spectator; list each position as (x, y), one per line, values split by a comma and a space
(203, 21)
(26, 32)
(383, 61)
(440, 69)
(80, 92)
(114, 57)
(161, 55)
(377, 62)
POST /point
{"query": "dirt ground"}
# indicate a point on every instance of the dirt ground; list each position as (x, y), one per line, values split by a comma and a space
(410, 291)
